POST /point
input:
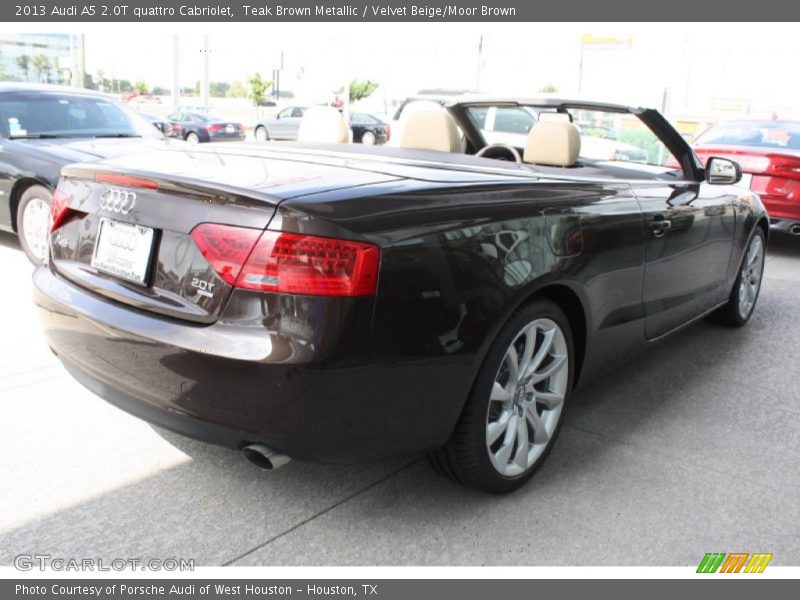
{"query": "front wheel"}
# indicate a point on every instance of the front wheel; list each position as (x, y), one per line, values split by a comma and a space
(193, 138)
(747, 286)
(514, 411)
(33, 216)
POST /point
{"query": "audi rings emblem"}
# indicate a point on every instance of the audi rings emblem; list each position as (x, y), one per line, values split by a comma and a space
(118, 201)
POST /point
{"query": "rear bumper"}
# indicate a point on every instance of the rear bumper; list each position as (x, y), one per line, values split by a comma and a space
(233, 385)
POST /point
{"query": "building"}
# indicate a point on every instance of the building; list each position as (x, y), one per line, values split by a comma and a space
(39, 57)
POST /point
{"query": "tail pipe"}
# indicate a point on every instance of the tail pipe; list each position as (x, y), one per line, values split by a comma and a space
(265, 457)
(795, 229)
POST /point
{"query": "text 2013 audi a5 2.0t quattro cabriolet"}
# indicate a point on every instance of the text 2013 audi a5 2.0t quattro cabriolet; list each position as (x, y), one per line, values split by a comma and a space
(341, 303)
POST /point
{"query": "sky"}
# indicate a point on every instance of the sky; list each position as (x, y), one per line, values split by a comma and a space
(685, 68)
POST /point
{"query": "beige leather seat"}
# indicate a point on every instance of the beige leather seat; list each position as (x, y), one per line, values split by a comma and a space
(427, 128)
(555, 143)
(323, 125)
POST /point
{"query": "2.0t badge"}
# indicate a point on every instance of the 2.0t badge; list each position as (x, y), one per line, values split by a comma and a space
(118, 201)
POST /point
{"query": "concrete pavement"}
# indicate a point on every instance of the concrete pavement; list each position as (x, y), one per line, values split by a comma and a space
(694, 448)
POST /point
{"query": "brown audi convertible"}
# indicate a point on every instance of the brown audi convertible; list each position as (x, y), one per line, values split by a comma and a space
(444, 294)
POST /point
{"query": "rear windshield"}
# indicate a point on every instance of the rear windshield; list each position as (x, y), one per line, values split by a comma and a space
(766, 134)
(49, 115)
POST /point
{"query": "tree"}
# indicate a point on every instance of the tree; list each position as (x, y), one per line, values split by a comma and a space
(361, 89)
(548, 89)
(236, 90)
(41, 64)
(258, 89)
(141, 87)
(160, 91)
(24, 63)
(218, 89)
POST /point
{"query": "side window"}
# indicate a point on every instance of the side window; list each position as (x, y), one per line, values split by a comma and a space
(298, 112)
(513, 120)
(620, 138)
(285, 113)
(174, 117)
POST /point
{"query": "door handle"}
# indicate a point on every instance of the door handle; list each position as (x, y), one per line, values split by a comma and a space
(660, 226)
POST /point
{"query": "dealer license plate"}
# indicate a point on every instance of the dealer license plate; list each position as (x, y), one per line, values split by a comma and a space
(123, 250)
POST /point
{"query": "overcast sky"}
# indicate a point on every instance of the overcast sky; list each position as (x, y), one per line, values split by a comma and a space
(698, 65)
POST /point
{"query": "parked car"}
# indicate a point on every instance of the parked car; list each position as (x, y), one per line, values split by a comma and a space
(769, 154)
(160, 123)
(200, 127)
(43, 128)
(368, 129)
(283, 126)
(346, 302)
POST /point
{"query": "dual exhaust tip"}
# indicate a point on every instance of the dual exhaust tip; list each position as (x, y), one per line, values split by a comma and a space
(265, 457)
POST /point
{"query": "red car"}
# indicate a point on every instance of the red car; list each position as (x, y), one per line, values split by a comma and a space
(769, 154)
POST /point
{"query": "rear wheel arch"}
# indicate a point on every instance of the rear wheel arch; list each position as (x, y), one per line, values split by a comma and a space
(16, 193)
(570, 302)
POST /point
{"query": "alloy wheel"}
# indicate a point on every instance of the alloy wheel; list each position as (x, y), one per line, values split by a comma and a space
(750, 279)
(35, 217)
(527, 397)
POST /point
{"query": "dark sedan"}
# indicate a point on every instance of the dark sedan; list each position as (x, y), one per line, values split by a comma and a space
(368, 129)
(198, 127)
(337, 302)
(43, 128)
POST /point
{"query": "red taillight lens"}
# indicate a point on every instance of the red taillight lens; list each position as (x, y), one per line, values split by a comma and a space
(214, 128)
(60, 213)
(125, 180)
(225, 248)
(289, 263)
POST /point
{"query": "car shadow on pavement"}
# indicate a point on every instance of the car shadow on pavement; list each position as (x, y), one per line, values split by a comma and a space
(641, 449)
(9, 240)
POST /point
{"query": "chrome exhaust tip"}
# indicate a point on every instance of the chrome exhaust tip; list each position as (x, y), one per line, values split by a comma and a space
(795, 229)
(265, 457)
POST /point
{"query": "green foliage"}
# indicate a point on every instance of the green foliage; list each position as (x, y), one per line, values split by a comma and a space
(141, 87)
(647, 141)
(24, 63)
(361, 89)
(160, 91)
(218, 89)
(548, 88)
(236, 90)
(41, 64)
(258, 89)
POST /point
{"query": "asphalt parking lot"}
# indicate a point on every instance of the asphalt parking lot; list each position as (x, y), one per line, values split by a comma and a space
(693, 448)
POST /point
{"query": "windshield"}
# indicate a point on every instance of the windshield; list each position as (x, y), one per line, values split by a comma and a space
(46, 115)
(764, 134)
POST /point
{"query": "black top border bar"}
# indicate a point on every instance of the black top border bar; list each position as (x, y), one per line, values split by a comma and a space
(393, 11)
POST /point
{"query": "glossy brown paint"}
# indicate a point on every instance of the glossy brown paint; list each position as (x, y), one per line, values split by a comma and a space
(343, 379)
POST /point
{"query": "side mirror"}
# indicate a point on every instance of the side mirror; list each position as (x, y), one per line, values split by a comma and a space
(722, 171)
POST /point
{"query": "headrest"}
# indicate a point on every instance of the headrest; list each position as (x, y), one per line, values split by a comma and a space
(323, 124)
(427, 128)
(555, 116)
(555, 143)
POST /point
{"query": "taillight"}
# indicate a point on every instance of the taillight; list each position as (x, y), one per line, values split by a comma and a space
(214, 128)
(289, 263)
(226, 248)
(388, 132)
(60, 213)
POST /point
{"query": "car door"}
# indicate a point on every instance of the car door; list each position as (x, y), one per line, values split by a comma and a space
(688, 231)
(284, 126)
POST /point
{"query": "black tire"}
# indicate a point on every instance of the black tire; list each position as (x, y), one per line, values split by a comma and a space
(368, 138)
(265, 133)
(465, 457)
(730, 315)
(31, 194)
(192, 138)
